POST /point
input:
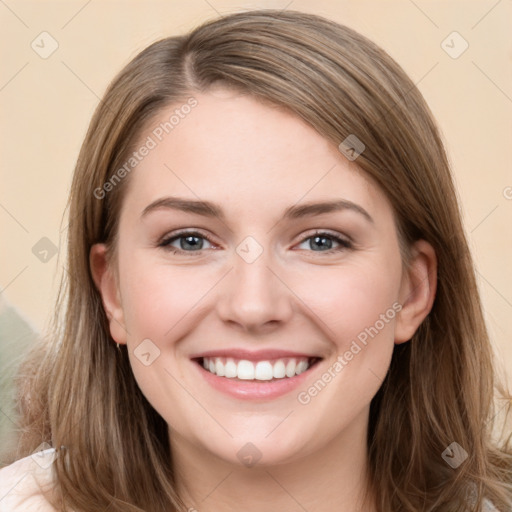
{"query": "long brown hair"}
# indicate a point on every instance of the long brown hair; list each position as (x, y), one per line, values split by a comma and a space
(78, 392)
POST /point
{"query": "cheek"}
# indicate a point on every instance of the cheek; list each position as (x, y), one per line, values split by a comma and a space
(356, 307)
(351, 299)
(157, 297)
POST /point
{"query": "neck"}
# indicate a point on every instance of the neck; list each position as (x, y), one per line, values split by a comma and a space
(332, 478)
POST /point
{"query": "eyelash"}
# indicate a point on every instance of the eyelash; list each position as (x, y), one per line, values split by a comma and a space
(165, 243)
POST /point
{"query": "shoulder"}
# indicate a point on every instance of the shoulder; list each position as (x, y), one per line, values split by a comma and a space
(23, 483)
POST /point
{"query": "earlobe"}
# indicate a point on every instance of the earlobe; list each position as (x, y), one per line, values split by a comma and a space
(106, 284)
(417, 292)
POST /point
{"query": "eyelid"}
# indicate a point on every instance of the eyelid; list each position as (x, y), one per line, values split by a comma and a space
(345, 242)
(184, 232)
(197, 231)
(334, 234)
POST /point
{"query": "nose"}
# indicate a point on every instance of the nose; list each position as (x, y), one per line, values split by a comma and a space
(254, 297)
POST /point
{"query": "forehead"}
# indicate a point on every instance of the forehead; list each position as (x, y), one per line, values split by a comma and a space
(234, 149)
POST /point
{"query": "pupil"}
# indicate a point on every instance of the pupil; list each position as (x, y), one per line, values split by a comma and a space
(317, 238)
(192, 244)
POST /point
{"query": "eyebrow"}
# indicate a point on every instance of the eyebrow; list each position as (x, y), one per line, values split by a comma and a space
(209, 209)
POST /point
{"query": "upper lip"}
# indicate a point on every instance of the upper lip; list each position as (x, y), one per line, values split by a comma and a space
(253, 355)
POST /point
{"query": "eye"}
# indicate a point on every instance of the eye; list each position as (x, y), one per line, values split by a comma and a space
(188, 241)
(325, 240)
(193, 242)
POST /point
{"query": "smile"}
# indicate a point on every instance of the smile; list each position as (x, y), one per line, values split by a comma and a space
(258, 376)
(264, 370)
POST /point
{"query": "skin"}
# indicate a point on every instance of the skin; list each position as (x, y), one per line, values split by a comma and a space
(255, 161)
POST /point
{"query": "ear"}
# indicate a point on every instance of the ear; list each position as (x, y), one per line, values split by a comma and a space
(417, 290)
(105, 280)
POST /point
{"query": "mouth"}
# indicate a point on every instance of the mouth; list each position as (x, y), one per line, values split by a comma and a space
(257, 376)
(263, 370)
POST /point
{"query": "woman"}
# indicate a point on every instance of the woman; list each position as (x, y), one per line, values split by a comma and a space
(323, 349)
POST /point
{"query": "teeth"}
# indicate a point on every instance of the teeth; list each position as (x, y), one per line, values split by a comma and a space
(261, 370)
(230, 369)
(219, 368)
(245, 370)
(301, 367)
(290, 368)
(279, 370)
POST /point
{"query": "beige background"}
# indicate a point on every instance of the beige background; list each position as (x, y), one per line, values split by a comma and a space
(47, 104)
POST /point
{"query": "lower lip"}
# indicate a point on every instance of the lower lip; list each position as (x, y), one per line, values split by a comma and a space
(253, 389)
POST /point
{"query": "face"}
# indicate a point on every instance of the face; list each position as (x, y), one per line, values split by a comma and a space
(296, 308)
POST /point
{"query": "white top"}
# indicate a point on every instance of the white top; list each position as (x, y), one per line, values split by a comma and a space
(23, 482)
